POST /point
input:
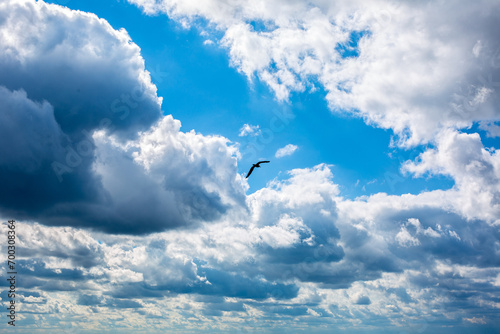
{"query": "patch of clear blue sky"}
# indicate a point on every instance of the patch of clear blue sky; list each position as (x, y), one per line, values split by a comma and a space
(201, 90)
(350, 48)
(262, 26)
(488, 142)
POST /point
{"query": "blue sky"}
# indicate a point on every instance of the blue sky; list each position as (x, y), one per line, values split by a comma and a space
(221, 101)
(127, 168)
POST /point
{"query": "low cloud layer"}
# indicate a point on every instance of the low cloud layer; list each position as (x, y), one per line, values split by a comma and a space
(392, 261)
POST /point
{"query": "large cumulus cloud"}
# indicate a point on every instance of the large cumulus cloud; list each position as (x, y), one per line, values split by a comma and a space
(74, 94)
(474, 168)
(166, 178)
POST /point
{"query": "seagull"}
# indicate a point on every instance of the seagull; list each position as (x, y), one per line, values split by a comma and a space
(255, 165)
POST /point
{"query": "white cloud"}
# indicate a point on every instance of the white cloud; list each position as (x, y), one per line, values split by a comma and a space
(284, 234)
(405, 239)
(63, 75)
(412, 75)
(173, 178)
(285, 151)
(475, 320)
(492, 130)
(475, 170)
(249, 130)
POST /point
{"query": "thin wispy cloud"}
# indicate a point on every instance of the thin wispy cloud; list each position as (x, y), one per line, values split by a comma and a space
(285, 151)
(249, 130)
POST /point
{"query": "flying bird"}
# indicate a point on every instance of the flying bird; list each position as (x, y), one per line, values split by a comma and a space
(256, 165)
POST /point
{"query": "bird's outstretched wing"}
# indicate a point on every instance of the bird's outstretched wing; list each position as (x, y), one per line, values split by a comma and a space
(263, 162)
(250, 172)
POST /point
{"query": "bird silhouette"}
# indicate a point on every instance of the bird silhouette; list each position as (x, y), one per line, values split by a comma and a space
(255, 165)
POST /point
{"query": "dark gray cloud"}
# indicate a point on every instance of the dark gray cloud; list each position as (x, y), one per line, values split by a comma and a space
(30, 141)
(136, 290)
(78, 63)
(363, 300)
(94, 300)
(89, 300)
(65, 75)
(39, 269)
(215, 283)
(234, 285)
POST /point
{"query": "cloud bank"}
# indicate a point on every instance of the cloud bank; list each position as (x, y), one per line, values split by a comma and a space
(301, 256)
